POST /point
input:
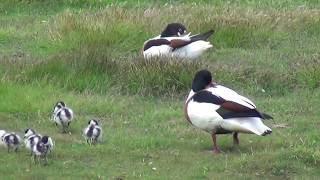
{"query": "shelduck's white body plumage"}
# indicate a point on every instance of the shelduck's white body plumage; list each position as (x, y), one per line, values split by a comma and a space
(190, 51)
(174, 42)
(220, 110)
(206, 117)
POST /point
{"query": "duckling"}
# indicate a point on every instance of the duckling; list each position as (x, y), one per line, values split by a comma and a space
(40, 151)
(92, 132)
(47, 140)
(12, 141)
(31, 138)
(62, 115)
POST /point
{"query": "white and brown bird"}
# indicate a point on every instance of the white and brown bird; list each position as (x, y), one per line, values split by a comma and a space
(92, 132)
(175, 42)
(62, 115)
(219, 110)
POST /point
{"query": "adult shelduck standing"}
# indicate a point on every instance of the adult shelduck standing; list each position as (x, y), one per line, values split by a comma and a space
(219, 110)
(175, 42)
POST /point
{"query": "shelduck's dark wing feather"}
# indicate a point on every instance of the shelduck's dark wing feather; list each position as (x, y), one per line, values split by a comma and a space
(228, 109)
(208, 97)
(203, 36)
(155, 42)
(231, 109)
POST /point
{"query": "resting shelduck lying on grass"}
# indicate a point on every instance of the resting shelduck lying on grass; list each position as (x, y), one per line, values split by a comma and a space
(220, 110)
(175, 42)
(62, 115)
(92, 132)
(12, 141)
(31, 139)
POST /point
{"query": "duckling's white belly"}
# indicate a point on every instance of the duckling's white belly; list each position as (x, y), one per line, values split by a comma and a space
(204, 116)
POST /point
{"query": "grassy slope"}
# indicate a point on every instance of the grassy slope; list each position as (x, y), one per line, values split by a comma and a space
(271, 45)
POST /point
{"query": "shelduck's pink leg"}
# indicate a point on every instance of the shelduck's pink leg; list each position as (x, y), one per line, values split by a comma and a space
(215, 149)
(235, 139)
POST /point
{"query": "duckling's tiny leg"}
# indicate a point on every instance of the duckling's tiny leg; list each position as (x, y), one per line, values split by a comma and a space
(215, 149)
(45, 160)
(63, 129)
(235, 139)
(34, 158)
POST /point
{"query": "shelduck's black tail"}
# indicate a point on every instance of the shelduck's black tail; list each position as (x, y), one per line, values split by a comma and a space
(203, 36)
(266, 116)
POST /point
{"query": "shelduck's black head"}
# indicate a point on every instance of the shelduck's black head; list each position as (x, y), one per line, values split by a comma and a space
(174, 29)
(201, 80)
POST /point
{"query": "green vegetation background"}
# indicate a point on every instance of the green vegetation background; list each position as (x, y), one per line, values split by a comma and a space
(88, 53)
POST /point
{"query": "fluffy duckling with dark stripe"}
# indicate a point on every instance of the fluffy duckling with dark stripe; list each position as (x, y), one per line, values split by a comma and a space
(40, 151)
(31, 138)
(47, 140)
(12, 141)
(219, 110)
(175, 42)
(62, 115)
(92, 132)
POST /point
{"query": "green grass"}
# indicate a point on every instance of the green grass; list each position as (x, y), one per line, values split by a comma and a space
(87, 53)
